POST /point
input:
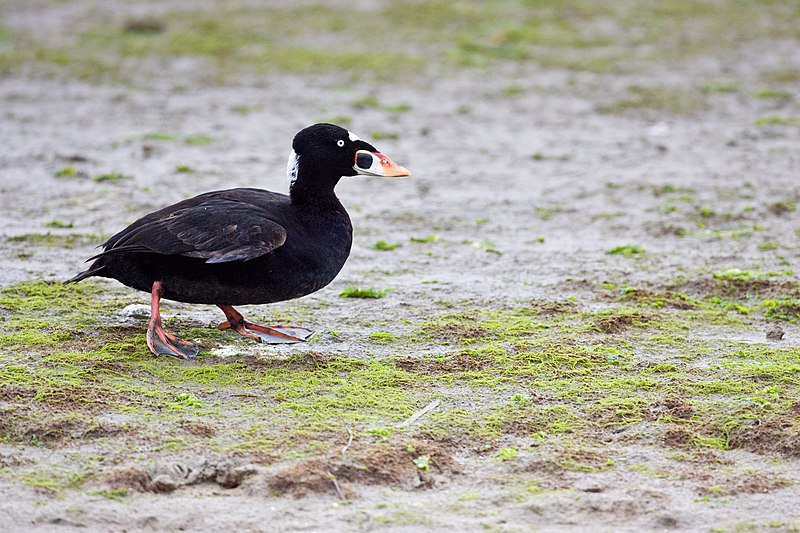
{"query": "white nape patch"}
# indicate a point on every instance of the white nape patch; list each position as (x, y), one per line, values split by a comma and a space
(291, 168)
(353, 137)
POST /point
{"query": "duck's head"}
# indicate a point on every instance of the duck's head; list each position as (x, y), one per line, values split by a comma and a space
(323, 153)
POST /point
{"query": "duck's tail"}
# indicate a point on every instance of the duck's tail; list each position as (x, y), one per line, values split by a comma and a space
(93, 271)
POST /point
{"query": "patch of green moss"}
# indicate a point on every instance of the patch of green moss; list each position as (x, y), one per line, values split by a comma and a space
(56, 240)
(774, 120)
(429, 238)
(773, 94)
(384, 135)
(55, 481)
(782, 206)
(58, 224)
(485, 246)
(66, 172)
(258, 39)
(111, 177)
(117, 495)
(546, 213)
(660, 99)
(404, 518)
(658, 299)
(579, 35)
(198, 139)
(383, 246)
(160, 136)
(782, 309)
(382, 336)
(719, 87)
(363, 292)
(539, 370)
(506, 454)
(374, 103)
(626, 250)
(739, 275)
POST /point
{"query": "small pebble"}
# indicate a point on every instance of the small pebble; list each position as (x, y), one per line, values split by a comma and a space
(776, 333)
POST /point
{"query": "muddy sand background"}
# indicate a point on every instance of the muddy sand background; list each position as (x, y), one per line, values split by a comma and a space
(577, 283)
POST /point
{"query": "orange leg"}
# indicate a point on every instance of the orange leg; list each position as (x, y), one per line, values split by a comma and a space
(160, 341)
(267, 334)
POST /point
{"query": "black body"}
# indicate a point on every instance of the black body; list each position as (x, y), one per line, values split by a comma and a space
(245, 246)
(317, 244)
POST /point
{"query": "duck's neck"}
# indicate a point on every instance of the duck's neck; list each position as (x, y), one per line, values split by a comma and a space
(301, 194)
(313, 190)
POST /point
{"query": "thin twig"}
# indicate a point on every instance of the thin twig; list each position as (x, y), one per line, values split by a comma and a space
(349, 442)
(419, 414)
(336, 486)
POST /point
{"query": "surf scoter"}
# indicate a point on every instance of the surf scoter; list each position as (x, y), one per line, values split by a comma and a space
(246, 246)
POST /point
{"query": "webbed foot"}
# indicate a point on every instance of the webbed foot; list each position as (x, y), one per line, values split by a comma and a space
(162, 342)
(267, 334)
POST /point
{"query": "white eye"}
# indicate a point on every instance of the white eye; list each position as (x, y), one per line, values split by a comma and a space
(340, 143)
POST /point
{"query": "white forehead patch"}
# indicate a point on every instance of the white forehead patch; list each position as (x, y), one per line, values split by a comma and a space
(291, 168)
(353, 136)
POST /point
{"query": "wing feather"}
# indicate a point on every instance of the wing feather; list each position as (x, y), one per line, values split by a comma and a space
(217, 230)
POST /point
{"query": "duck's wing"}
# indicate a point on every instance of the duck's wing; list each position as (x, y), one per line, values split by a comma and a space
(217, 230)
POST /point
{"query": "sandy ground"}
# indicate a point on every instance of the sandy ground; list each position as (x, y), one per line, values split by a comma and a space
(527, 191)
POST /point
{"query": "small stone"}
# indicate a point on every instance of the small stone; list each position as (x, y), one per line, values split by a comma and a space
(776, 333)
(162, 484)
(135, 311)
(588, 485)
(233, 477)
(667, 521)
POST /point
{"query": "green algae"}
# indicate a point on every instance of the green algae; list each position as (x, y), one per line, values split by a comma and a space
(363, 292)
(382, 336)
(120, 375)
(56, 481)
(782, 309)
(575, 35)
(383, 246)
(664, 100)
(626, 250)
(58, 224)
(111, 177)
(66, 172)
(55, 240)
(550, 371)
(774, 120)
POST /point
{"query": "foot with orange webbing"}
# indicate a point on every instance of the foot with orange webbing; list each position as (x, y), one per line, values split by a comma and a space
(266, 334)
(159, 340)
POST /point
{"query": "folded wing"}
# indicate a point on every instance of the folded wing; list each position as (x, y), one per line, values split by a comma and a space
(217, 230)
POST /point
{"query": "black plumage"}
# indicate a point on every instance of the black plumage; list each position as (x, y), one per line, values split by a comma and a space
(217, 229)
